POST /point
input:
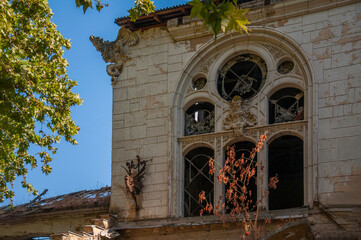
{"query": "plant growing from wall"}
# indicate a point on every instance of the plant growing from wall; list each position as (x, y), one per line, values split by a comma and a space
(235, 175)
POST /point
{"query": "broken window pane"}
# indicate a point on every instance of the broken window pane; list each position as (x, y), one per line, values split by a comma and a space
(243, 148)
(199, 119)
(286, 105)
(242, 76)
(285, 159)
(196, 180)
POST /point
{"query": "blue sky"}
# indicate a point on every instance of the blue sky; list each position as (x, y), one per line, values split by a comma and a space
(87, 165)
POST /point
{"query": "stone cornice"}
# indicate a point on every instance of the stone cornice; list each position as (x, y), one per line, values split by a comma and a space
(189, 29)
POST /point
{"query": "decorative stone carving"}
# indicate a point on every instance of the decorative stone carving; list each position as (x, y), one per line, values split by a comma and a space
(205, 67)
(185, 142)
(134, 178)
(193, 126)
(276, 128)
(239, 117)
(277, 53)
(113, 52)
(218, 142)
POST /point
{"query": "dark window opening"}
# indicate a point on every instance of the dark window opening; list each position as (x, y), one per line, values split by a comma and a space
(243, 148)
(242, 76)
(285, 159)
(199, 119)
(196, 180)
(286, 105)
(199, 83)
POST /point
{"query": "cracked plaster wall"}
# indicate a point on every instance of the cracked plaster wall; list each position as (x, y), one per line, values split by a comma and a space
(143, 93)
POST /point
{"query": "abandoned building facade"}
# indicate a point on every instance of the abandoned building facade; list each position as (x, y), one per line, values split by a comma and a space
(180, 98)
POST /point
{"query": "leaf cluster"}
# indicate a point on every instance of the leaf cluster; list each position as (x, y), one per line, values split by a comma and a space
(141, 7)
(220, 16)
(88, 3)
(35, 92)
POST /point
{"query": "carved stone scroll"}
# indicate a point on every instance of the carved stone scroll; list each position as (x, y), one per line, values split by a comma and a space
(113, 52)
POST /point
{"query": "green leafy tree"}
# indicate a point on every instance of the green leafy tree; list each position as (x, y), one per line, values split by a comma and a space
(35, 92)
(218, 15)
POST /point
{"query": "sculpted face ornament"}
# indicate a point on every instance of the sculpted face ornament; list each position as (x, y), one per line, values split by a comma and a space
(113, 52)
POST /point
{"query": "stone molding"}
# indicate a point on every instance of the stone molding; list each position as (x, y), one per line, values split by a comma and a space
(249, 132)
(189, 29)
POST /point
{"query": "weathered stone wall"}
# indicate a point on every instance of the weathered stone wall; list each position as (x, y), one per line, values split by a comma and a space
(327, 32)
(141, 100)
(332, 40)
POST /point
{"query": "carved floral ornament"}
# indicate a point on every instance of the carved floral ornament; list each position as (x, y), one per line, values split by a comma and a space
(113, 52)
(239, 117)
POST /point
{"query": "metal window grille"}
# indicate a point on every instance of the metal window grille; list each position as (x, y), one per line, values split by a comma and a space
(196, 180)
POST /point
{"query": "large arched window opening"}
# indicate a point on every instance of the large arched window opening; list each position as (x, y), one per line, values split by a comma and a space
(249, 72)
(197, 179)
(242, 152)
(285, 159)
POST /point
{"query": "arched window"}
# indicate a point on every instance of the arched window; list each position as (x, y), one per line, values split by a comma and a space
(285, 105)
(244, 88)
(199, 119)
(197, 179)
(285, 159)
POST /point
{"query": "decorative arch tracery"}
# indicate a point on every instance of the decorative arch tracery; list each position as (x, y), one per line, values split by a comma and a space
(253, 112)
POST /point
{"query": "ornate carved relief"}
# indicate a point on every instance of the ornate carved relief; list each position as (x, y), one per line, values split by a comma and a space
(205, 67)
(218, 142)
(272, 129)
(226, 138)
(239, 117)
(276, 53)
(113, 52)
(185, 142)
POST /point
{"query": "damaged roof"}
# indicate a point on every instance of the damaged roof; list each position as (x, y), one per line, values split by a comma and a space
(161, 16)
(158, 18)
(86, 199)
